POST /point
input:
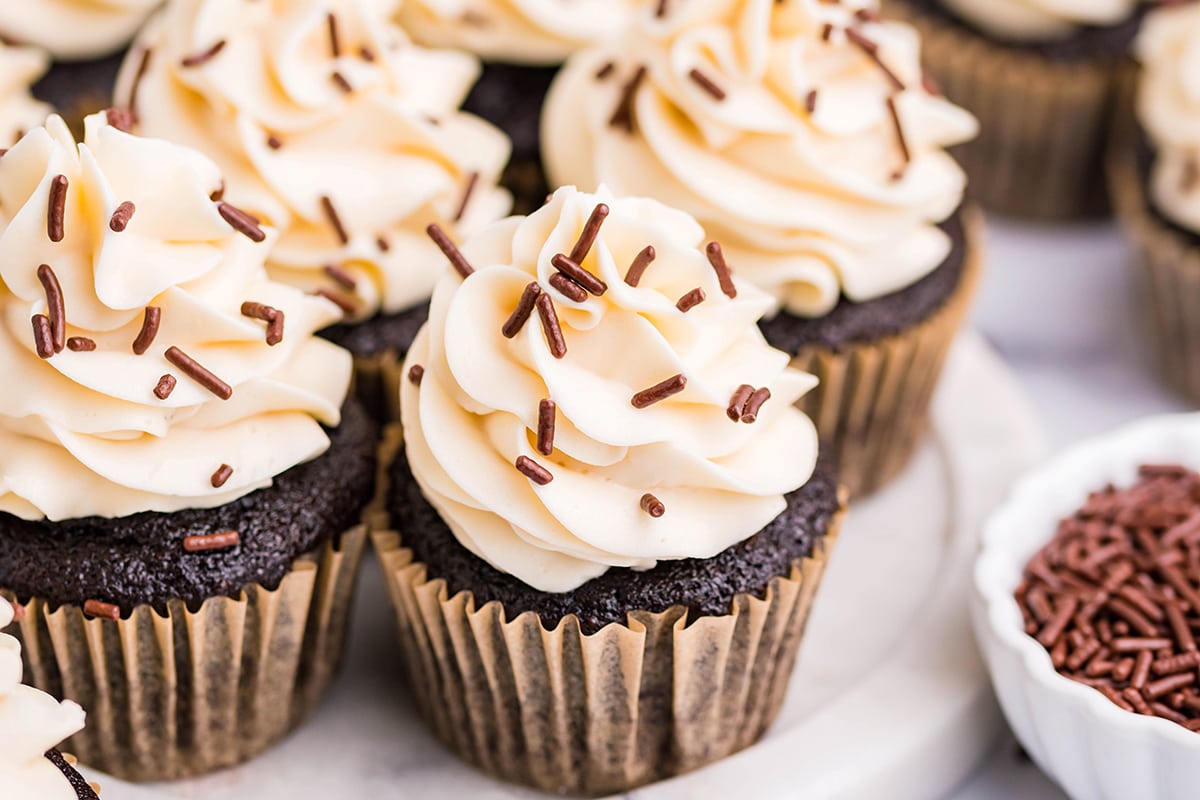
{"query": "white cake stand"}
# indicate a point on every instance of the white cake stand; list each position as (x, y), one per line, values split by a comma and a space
(890, 699)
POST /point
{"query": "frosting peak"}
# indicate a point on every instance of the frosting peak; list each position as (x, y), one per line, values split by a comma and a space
(1039, 20)
(31, 722)
(75, 30)
(801, 135)
(638, 389)
(330, 126)
(142, 373)
(20, 67)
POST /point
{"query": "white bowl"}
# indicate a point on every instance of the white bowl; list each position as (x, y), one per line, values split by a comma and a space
(1092, 748)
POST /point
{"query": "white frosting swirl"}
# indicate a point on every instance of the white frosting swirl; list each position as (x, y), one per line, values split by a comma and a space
(1039, 20)
(75, 30)
(1169, 108)
(476, 408)
(83, 433)
(31, 722)
(20, 67)
(542, 32)
(809, 205)
(393, 155)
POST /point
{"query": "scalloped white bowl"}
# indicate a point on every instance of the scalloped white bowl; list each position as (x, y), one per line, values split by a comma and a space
(1092, 748)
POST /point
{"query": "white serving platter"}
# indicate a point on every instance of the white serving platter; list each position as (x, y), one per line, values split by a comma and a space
(890, 699)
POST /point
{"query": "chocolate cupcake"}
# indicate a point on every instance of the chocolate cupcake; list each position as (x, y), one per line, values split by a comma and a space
(86, 39)
(803, 139)
(351, 157)
(31, 723)
(1042, 76)
(606, 496)
(522, 44)
(19, 111)
(180, 514)
(1154, 173)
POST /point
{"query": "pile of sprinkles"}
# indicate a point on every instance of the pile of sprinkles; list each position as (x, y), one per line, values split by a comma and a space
(1115, 596)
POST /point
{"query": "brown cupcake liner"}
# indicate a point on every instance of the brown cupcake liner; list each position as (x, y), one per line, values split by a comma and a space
(1043, 123)
(871, 406)
(377, 383)
(587, 714)
(193, 691)
(1166, 267)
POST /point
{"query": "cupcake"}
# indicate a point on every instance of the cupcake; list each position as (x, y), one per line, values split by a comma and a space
(178, 514)
(86, 39)
(611, 519)
(32, 723)
(1042, 75)
(330, 126)
(522, 44)
(803, 139)
(19, 111)
(1154, 175)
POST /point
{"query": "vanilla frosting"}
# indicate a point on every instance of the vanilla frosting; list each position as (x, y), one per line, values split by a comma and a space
(1039, 20)
(75, 30)
(1169, 108)
(810, 205)
(20, 67)
(517, 31)
(31, 722)
(476, 409)
(83, 431)
(376, 130)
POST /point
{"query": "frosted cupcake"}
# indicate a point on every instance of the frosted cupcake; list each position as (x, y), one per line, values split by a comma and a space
(1042, 75)
(32, 723)
(86, 39)
(522, 44)
(607, 497)
(19, 111)
(332, 127)
(175, 413)
(1154, 172)
(804, 140)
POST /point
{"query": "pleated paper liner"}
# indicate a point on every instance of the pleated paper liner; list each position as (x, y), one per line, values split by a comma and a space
(377, 384)
(1043, 123)
(871, 406)
(1166, 267)
(586, 714)
(190, 692)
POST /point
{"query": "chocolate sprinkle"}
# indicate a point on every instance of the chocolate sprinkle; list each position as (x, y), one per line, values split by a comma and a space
(340, 81)
(206, 56)
(335, 44)
(55, 306)
(345, 304)
(547, 415)
(550, 326)
(568, 288)
(415, 374)
(716, 257)
(334, 219)
(591, 229)
(120, 218)
(738, 402)
(653, 506)
(211, 541)
(101, 610)
(755, 404)
(707, 84)
(690, 300)
(810, 102)
(56, 213)
(81, 344)
(659, 391)
(521, 313)
(605, 70)
(468, 193)
(455, 256)
(581, 276)
(341, 277)
(901, 139)
(222, 476)
(166, 385)
(150, 323)
(43, 340)
(119, 118)
(638, 268)
(871, 48)
(272, 316)
(533, 470)
(623, 116)
(192, 368)
(242, 222)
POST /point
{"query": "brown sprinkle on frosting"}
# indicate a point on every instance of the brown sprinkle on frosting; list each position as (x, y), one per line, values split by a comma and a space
(638, 268)
(340, 81)
(222, 476)
(274, 142)
(81, 344)
(43, 340)
(901, 139)
(241, 221)
(707, 84)
(57, 210)
(334, 219)
(101, 610)
(521, 313)
(591, 229)
(605, 70)
(341, 277)
(194, 370)
(468, 193)
(550, 326)
(345, 304)
(547, 415)
(623, 116)
(120, 218)
(738, 402)
(205, 56)
(570, 267)
(810, 102)
(871, 48)
(450, 250)
(335, 43)
(119, 118)
(151, 320)
(272, 316)
(55, 306)
(166, 385)
(690, 300)
(653, 506)
(415, 374)
(659, 391)
(533, 470)
(222, 540)
(755, 404)
(568, 288)
(716, 257)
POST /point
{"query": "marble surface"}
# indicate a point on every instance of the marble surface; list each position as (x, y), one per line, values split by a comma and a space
(1059, 305)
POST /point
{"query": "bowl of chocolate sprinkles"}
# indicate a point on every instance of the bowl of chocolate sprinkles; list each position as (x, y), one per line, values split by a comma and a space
(1087, 610)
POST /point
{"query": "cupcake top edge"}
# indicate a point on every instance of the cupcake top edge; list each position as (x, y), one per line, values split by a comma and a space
(1168, 108)
(155, 365)
(592, 391)
(803, 135)
(75, 30)
(331, 126)
(31, 723)
(1040, 20)
(531, 32)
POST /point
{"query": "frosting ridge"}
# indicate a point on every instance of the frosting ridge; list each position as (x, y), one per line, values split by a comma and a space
(20, 67)
(75, 30)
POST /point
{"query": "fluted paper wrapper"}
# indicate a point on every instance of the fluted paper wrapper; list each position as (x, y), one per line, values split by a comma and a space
(588, 714)
(377, 384)
(196, 690)
(1043, 123)
(871, 407)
